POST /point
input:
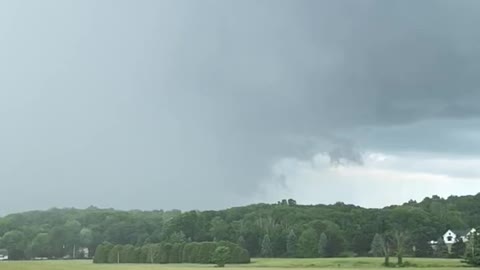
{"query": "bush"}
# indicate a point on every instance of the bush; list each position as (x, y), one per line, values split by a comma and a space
(221, 256)
(205, 252)
(187, 253)
(16, 254)
(164, 251)
(238, 254)
(114, 254)
(102, 252)
(196, 252)
(128, 255)
(175, 255)
(143, 256)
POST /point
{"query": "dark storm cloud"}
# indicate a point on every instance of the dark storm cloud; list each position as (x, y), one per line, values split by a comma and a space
(161, 104)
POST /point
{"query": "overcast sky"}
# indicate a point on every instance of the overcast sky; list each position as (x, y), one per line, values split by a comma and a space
(211, 104)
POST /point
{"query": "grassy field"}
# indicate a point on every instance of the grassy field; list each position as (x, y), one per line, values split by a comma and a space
(271, 264)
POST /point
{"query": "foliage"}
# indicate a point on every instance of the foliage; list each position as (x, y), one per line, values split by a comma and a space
(194, 252)
(472, 256)
(349, 229)
(266, 247)
(102, 252)
(458, 249)
(322, 245)
(308, 244)
(221, 256)
(292, 244)
(14, 242)
(377, 246)
(219, 229)
(400, 239)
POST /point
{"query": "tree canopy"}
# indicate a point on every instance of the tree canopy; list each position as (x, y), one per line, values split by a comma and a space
(293, 230)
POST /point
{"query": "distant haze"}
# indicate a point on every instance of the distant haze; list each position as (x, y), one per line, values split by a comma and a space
(210, 104)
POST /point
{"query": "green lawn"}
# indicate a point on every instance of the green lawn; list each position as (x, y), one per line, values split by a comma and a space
(272, 264)
(351, 263)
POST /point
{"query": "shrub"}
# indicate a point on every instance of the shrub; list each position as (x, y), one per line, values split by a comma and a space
(114, 254)
(102, 252)
(221, 256)
(169, 253)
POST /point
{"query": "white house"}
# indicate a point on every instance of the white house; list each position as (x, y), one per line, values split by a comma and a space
(451, 237)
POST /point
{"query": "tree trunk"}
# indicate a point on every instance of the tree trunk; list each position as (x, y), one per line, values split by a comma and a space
(399, 259)
(386, 252)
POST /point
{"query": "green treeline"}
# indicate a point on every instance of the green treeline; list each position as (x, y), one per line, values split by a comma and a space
(194, 252)
(283, 229)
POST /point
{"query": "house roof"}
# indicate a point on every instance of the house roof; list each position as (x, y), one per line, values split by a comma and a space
(463, 232)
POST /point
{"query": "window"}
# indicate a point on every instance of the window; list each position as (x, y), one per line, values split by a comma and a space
(449, 238)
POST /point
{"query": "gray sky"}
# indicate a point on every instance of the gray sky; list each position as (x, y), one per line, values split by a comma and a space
(211, 104)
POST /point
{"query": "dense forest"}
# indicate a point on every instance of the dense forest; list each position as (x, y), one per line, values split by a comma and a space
(283, 229)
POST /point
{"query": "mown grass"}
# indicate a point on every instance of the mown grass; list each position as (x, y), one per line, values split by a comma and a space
(352, 263)
(271, 264)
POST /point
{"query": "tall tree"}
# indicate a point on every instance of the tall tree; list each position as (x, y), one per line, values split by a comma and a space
(40, 245)
(472, 256)
(266, 251)
(377, 246)
(57, 239)
(219, 229)
(322, 245)
(308, 244)
(15, 243)
(400, 240)
(292, 244)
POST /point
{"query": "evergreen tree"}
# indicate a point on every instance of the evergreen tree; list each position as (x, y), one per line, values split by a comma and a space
(307, 244)
(377, 246)
(291, 244)
(266, 247)
(472, 256)
(322, 245)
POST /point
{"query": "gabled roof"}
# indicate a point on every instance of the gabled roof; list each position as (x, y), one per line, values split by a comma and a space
(460, 233)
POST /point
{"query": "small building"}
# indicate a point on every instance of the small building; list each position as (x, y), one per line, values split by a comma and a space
(453, 236)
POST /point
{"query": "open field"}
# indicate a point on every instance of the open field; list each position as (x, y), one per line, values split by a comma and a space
(330, 263)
